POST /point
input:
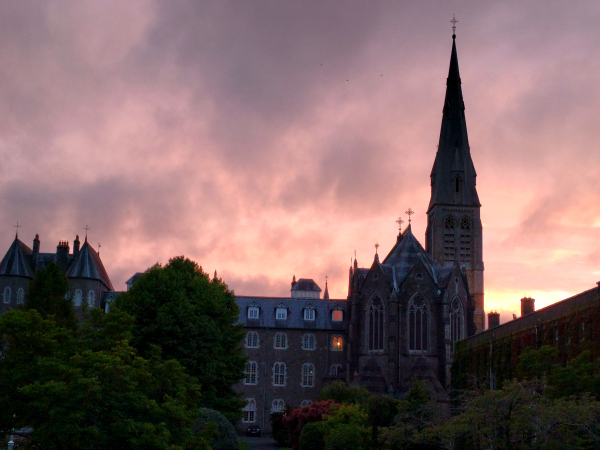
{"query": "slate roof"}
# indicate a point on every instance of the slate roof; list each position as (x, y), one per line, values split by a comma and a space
(454, 154)
(295, 315)
(405, 255)
(87, 264)
(16, 262)
(304, 284)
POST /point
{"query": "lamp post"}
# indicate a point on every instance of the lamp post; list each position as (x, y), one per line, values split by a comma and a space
(11, 444)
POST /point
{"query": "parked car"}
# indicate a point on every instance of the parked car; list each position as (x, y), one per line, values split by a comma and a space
(253, 431)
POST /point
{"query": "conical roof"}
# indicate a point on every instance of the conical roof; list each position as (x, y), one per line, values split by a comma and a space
(87, 264)
(16, 262)
(453, 158)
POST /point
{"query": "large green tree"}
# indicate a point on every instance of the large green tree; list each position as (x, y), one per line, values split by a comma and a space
(46, 294)
(75, 388)
(192, 319)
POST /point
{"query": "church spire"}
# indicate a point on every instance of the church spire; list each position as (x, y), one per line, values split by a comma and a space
(453, 174)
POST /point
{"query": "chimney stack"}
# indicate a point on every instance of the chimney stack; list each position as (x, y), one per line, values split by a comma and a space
(527, 306)
(76, 246)
(493, 319)
(62, 254)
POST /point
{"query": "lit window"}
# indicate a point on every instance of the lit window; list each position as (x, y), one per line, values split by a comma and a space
(308, 375)
(305, 403)
(253, 312)
(280, 341)
(337, 343)
(252, 339)
(279, 374)
(7, 295)
(336, 315)
(309, 342)
(20, 296)
(418, 314)
(309, 312)
(251, 373)
(91, 299)
(335, 370)
(277, 405)
(250, 410)
(77, 299)
(281, 313)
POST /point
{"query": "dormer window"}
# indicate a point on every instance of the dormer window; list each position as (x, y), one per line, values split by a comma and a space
(253, 312)
(281, 312)
(337, 315)
(309, 312)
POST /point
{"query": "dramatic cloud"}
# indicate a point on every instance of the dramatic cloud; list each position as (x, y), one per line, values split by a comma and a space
(267, 139)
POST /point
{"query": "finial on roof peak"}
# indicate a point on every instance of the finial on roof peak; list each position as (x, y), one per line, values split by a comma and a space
(17, 226)
(86, 228)
(453, 22)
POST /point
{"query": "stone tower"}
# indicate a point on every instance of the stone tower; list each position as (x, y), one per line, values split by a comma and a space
(453, 222)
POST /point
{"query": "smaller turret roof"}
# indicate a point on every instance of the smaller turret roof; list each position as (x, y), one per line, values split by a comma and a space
(16, 262)
(87, 264)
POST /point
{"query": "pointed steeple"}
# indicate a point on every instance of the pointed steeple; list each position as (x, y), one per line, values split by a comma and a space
(326, 294)
(453, 174)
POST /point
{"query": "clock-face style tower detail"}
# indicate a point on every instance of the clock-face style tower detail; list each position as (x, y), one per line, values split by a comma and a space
(453, 222)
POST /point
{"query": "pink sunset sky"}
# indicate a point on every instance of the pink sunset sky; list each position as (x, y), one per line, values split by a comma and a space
(268, 139)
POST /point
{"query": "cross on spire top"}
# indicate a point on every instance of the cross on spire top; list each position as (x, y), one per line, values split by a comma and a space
(410, 212)
(17, 226)
(86, 228)
(453, 22)
(376, 246)
(400, 222)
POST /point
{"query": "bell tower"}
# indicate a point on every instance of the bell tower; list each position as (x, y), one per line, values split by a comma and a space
(453, 216)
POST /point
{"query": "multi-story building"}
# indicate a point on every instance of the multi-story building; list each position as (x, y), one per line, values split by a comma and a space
(295, 345)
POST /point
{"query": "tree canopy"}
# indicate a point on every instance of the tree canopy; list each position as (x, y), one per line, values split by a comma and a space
(192, 319)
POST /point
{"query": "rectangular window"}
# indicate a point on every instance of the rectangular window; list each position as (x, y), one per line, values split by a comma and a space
(336, 315)
(253, 312)
(281, 313)
(309, 314)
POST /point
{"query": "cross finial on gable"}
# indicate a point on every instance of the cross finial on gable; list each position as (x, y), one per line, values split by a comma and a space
(410, 212)
(86, 228)
(376, 246)
(400, 222)
(17, 226)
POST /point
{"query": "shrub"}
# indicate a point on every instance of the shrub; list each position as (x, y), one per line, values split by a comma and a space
(224, 437)
(340, 392)
(295, 421)
(345, 437)
(312, 436)
(279, 430)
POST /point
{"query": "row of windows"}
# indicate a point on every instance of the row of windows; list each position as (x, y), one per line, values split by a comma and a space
(281, 313)
(20, 295)
(91, 297)
(280, 341)
(279, 377)
(278, 405)
(418, 324)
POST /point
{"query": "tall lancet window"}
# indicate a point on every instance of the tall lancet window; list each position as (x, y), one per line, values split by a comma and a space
(376, 323)
(449, 245)
(465, 239)
(418, 324)
(456, 321)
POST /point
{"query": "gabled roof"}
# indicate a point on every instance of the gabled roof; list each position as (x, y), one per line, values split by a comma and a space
(87, 264)
(453, 157)
(405, 255)
(16, 262)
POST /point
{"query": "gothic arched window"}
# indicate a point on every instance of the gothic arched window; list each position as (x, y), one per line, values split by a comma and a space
(7, 294)
(280, 341)
(249, 410)
(77, 298)
(456, 321)
(449, 244)
(20, 296)
(308, 375)
(91, 299)
(376, 323)
(465, 239)
(252, 339)
(309, 342)
(251, 373)
(277, 405)
(418, 324)
(279, 374)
